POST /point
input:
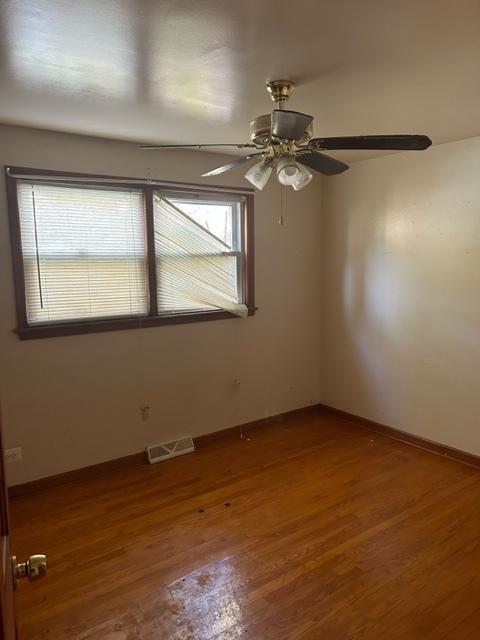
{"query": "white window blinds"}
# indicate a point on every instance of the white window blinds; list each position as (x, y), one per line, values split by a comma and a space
(198, 256)
(83, 252)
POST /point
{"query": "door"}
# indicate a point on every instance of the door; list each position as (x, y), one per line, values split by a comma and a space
(7, 607)
(11, 571)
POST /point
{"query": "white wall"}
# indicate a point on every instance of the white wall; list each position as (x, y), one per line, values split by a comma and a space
(401, 292)
(74, 401)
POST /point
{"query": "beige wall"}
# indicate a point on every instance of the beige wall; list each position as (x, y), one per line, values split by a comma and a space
(74, 401)
(396, 251)
(401, 292)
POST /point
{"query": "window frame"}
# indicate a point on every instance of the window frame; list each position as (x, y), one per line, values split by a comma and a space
(26, 331)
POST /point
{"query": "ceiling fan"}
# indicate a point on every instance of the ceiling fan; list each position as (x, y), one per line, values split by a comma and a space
(283, 141)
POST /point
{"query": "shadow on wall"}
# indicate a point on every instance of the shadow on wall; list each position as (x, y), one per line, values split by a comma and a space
(350, 294)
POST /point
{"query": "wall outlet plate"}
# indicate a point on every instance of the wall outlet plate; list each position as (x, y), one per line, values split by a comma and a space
(13, 455)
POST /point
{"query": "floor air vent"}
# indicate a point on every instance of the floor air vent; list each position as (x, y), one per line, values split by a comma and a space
(159, 452)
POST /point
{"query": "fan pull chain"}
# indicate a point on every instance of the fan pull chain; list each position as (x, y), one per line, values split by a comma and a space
(281, 219)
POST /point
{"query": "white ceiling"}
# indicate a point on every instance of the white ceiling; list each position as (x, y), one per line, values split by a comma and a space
(194, 70)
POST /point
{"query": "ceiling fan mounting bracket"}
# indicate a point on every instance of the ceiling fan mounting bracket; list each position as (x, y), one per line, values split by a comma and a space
(280, 90)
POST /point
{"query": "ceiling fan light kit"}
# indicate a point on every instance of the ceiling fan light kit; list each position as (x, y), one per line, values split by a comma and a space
(292, 174)
(304, 178)
(283, 140)
(259, 174)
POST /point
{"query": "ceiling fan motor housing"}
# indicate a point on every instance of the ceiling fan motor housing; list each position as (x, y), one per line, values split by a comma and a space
(261, 130)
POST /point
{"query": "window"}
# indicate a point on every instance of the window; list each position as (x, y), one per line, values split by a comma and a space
(83, 252)
(198, 250)
(94, 254)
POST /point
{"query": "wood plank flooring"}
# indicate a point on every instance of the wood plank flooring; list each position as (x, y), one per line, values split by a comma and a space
(306, 529)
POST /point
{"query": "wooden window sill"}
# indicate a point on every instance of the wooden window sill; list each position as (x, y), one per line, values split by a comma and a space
(119, 324)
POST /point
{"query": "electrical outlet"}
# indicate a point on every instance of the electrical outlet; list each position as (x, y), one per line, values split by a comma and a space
(13, 455)
(145, 412)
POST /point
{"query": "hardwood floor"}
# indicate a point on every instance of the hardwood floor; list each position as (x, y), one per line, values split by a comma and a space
(306, 529)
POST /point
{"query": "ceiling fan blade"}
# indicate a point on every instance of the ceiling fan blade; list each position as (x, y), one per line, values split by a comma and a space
(230, 165)
(395, 142)
(320, 162)
(289, 125)
(196, 146)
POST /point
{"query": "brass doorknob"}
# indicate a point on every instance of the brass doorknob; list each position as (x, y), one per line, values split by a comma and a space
(35, 567)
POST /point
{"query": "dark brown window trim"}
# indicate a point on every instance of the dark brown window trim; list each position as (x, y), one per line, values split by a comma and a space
(28, 332)
(34, 332)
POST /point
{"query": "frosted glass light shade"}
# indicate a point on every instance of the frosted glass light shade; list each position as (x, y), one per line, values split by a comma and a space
(259, 174)
(304, 178)
(288, 171)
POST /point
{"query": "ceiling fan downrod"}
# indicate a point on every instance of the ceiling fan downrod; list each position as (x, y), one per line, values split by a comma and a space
(280, 91)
